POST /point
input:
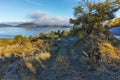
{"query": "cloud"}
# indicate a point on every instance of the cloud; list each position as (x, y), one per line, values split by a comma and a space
(33, 2)
(16, 21)
(44, 19)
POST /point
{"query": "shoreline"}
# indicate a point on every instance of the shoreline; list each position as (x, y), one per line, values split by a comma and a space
(6, 38)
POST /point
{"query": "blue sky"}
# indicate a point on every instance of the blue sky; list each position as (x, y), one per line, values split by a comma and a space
(19, 10)
(43, 11)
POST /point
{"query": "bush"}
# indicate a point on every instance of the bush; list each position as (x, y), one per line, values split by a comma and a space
(51, 35)
(77, 31)
(20, 39)
(80, 34)
(64, 33)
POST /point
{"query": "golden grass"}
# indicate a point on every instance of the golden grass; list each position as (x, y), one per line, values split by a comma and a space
(109, 49)
(45, 56)
(114, 23)
(30, 66)
(28, 48)
(4, 42)
(17, 50)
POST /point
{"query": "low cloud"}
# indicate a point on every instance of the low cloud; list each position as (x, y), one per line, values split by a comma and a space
(44, 18)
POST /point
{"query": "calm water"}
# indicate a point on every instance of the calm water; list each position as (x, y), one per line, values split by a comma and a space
(116, 32)
(10, 32)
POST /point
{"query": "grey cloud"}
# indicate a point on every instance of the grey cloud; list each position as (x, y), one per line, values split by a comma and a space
(43, 18)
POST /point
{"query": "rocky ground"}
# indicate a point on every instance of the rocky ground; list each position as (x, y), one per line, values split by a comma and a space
(69, 61)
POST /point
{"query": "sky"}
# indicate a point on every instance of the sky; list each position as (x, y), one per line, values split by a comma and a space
(39, 11)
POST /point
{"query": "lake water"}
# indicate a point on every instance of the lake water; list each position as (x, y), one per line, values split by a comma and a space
(116, 32)
(10, 32)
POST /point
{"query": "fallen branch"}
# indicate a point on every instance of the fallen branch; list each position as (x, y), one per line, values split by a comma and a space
(85, 53)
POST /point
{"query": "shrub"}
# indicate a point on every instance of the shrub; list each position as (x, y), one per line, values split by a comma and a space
(64, 33)
(20, 39)
(80, 34)
(51, 35)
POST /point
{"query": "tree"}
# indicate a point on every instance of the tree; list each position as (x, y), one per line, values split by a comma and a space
(92, 13)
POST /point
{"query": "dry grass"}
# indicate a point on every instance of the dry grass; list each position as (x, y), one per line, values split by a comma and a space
(17, 50)
(30, 66)
(28, 48)
(109, 49)
(114, 23)
(45, 56)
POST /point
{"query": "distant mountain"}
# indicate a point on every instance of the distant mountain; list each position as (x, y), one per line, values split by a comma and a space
(32, 25)
(13, 23)
(26, 25)
(5, 25)
(54, 26)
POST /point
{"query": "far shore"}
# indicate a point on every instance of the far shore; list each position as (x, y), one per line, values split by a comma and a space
(6, 38)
